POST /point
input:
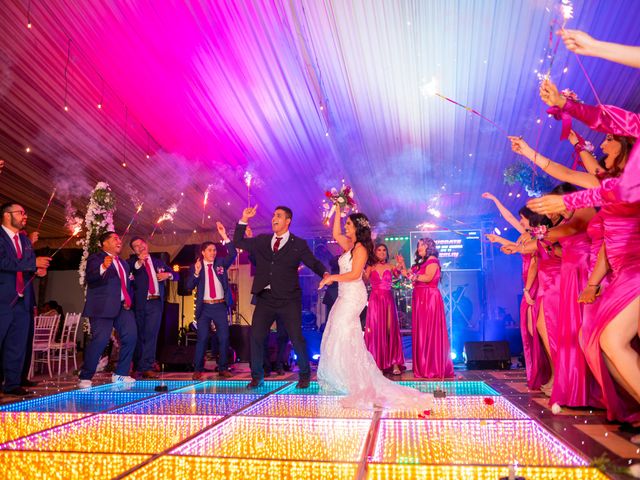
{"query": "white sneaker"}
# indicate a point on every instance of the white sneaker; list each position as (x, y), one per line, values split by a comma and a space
(122, 379)
(84, 384)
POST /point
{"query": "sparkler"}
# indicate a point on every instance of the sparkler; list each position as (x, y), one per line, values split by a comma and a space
(430, 89)
(46, 209)
(247, 181)
(205, 201)
(168, 215)
(133, 219)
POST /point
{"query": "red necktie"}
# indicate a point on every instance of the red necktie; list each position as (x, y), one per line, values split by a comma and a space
(152, 285)
(213, 288)
(276, 246)
(19, 277)
(123, 282)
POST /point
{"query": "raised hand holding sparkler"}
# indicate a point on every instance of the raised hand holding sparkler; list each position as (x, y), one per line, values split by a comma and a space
(248, 213)
(53, 193)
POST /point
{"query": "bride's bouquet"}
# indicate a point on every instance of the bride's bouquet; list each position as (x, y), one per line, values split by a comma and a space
(342, 197)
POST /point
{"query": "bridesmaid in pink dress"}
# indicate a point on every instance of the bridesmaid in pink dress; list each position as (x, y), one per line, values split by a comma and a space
(431, 347)
(537, 363)
(382, 330)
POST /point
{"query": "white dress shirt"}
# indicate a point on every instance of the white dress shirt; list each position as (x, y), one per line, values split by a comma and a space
(218, 285)
(139, 264)
(102, 270)
(12, 234)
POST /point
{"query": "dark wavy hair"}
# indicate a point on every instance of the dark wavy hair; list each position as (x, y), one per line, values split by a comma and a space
(535, 219)
(626, 144)
(386, 249)
(432, 250)
(363, 235)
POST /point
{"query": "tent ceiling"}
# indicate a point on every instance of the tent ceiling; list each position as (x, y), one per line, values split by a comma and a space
(301, 94)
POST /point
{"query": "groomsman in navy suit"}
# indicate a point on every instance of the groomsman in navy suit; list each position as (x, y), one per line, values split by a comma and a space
(109, 304)
(213, 300)
(18, 264)
(149, 277)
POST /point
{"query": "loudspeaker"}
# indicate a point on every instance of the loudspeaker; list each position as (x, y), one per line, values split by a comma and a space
(182, 283)
(169, 329)
(177, 358)
(488, 355)
(239, 340)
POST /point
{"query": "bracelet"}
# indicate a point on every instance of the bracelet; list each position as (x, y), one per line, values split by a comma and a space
(579, 147)
(597, 285)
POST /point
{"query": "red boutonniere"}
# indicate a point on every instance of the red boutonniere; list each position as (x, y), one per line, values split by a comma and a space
(220, 270)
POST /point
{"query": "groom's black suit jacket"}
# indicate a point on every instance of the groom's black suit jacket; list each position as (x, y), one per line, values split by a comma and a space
(280, 269)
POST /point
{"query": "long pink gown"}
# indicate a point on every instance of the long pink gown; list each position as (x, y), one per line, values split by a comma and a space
(548, 296)
(382, 330)
(574, 384)
(615, 120)
(621, 223)
(535, 358)
(431, 347)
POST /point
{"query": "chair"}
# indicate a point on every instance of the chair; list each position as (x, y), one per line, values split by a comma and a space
(43, 335)
(67, 344)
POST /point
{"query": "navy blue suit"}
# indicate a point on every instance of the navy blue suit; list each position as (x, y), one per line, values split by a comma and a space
(216, 313)
(15, 311)
(148, 312)
(106, 311)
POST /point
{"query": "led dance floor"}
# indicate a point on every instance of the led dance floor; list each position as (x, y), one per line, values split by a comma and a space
(219, 429)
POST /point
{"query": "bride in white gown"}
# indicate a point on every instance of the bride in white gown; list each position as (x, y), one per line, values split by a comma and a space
(346, 366)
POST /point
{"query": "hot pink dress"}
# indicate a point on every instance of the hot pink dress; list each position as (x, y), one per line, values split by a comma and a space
(535, 358)
(574, 384)
(382, 331)
(621, 223)
(431, 347)
(549, 293)
(611, 119)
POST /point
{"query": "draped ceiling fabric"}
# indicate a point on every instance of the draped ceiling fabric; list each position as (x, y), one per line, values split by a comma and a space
(302, 94)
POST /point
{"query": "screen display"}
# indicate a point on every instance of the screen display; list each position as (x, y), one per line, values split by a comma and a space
(459, 249)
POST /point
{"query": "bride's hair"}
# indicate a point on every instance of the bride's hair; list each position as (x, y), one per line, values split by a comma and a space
(363, 235)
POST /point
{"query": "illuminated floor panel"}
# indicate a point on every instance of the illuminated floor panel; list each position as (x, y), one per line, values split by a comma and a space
(189, 404)
(282, 439)
(75, 402)
(314, 406)
(19, 424)
(115, 433)
(437, 472)
(453, 387)
(242, 469)
(464, 442)
(235, 386)
(463, 407)
(142, 386)
(63, 466)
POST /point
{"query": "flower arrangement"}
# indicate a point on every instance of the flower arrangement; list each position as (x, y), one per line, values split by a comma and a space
(342, 198)
(539, 232)
(522, 173)
(98, 219)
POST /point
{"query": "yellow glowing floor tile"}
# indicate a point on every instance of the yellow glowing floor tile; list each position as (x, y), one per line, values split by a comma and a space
(315, 406)
(115, 433)
(470, 442)
(439, 472)
(242, 469)
(337, 440)
(19, 424)
(63, 466)
(461, 407)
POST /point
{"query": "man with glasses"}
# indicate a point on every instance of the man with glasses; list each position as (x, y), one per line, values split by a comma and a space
(18, 265)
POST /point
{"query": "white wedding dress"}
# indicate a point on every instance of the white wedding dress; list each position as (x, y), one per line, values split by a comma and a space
(347, 367)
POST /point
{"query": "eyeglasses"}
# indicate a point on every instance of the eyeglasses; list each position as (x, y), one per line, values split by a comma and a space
(21, 212)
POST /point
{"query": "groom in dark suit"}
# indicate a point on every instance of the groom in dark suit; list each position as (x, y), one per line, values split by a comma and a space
(277, 288)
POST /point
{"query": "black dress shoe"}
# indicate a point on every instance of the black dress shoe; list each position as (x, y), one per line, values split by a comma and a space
(255, 383)
(303, 383)
(18, 392)
(28, 383)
